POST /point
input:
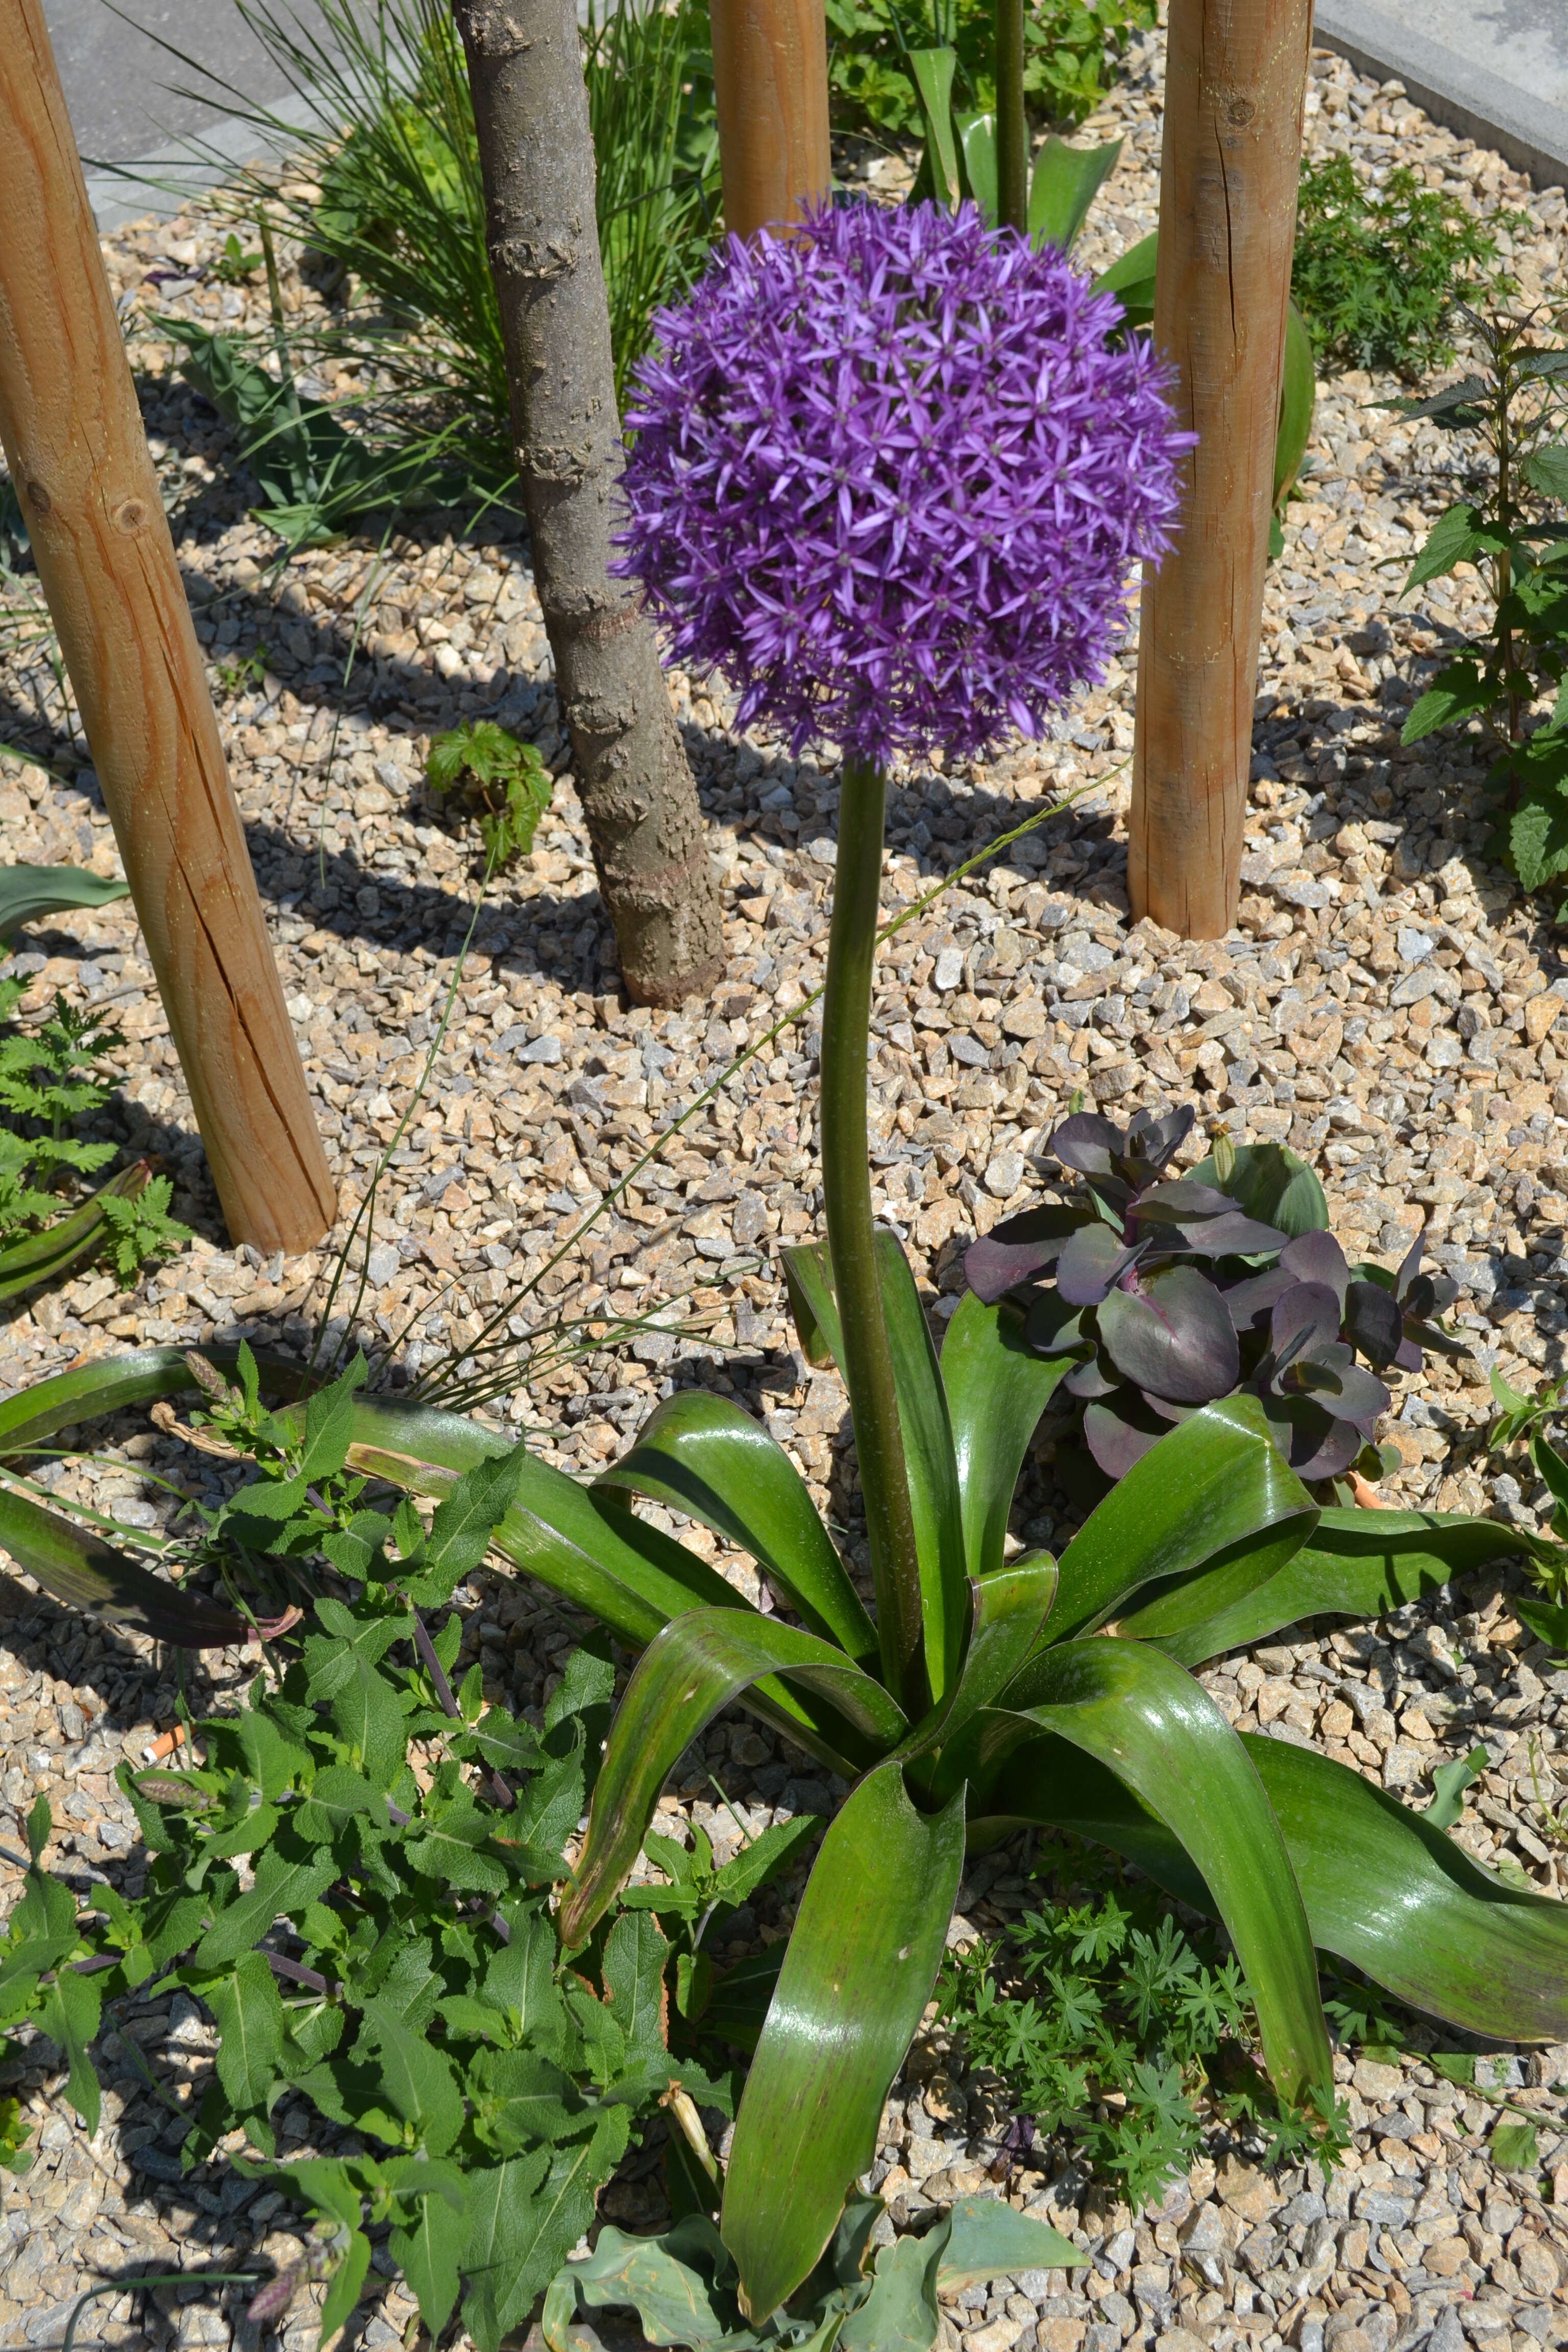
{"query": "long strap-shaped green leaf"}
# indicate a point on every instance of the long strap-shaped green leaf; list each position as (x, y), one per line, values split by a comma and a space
(927, 1433)
(858, 1972)
(1354, 1564)
(1144, 1717)
(996, 1390)
(84, 1572)
(697, 1666)
(1010, 1610)
(1216, 1480)
(701, 1454)
(110, 1383)
(1384, 1888)
(45, 1256)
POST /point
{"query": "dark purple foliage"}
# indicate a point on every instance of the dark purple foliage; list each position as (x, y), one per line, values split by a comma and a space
(1168, 1296)
(891, 477)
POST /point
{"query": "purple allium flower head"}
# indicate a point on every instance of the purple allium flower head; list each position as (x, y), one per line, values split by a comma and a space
(891, 478)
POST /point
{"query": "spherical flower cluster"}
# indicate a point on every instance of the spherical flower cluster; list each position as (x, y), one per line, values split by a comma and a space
(891, 478)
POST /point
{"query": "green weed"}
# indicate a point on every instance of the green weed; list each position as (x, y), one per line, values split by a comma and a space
(500, 782)
(1378, 271)
(1070, 52)
(1113, 2028)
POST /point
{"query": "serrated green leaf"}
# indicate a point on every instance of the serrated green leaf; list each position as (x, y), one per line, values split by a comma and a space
(40, 1826)
(344, 2293)
(634, 1955)
(280, 1886)
(1537, 839)
(427, 2248)
(69, 2013)
(250, 2017)
(1463, 690)
(328, 1423)
(526, 2223)
(520, 2099)
(774, 1851)
(415, 2078)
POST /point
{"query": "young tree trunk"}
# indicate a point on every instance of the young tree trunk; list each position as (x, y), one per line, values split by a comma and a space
(1236, 77)
(770, 86)
(530, 107)
(79, 461)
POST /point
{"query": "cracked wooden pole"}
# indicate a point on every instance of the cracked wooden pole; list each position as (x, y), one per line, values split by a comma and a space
(1236, 77)
(770, 85)
(80, 462)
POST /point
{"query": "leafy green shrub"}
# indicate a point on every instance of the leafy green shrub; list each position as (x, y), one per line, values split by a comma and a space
(44, 1089)
(1378, 271)
(1110, 2026)
(500, 783)
(393, 1963)
(1069, 51)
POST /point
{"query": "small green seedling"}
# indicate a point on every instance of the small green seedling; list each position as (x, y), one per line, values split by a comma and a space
(502, 783)
(234, 265)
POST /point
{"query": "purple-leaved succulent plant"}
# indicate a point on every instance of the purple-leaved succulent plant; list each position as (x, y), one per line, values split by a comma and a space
(1170, 1292)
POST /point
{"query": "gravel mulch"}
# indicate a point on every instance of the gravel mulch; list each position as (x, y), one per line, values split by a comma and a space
(1388, 1004)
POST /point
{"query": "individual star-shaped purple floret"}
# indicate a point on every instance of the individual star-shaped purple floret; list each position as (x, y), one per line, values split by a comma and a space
(891, 478)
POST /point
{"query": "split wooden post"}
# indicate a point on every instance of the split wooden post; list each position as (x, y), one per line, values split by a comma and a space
(769, 84)
(78, 459)
(1235, 79)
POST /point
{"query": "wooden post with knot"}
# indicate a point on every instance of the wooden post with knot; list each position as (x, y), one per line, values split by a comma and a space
(770, 86)
(79, 462)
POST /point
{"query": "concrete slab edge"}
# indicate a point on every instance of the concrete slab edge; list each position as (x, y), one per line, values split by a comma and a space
(1453, 91)
(159, 185)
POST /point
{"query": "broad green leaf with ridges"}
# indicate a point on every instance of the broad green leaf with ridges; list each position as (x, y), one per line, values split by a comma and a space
(78, 1567)
(1382, 1887)
(1215, 1480)
(1066, 182)
(697, 1666)
(701, 1454)
(1352, 1564)
(1144, 1717)
(855, 1981)
(996, 1392)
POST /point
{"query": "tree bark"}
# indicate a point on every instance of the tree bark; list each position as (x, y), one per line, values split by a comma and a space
(1236, 78)
(78, 459)
(770, 85)
(530, 107)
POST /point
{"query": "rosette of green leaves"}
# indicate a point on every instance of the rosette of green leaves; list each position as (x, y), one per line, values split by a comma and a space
(1035, 1713)
(1170, 1293)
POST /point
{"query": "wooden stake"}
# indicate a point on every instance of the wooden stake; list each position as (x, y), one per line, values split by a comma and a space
(770, 82)
(78, 459)
(1236, 77)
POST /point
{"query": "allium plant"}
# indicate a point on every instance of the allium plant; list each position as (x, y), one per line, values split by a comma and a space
(891, 478)
(794, 515)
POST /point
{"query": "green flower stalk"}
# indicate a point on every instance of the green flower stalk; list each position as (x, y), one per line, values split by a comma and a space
(851, 1237)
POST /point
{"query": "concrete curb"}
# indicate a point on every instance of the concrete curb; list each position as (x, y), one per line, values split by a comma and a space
(1454, 90)
(205, 159)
